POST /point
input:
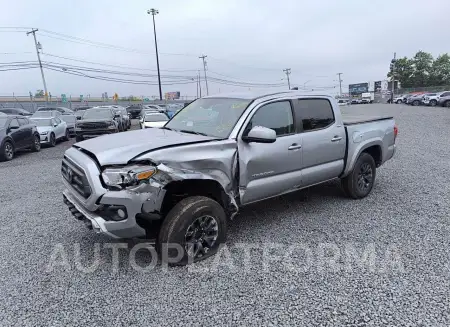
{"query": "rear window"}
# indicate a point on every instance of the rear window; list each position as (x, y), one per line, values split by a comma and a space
(314, 114)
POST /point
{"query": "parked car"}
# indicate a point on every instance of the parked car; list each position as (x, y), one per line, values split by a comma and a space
(355, 101)
(431, 99)
(52, 130)
(80, 110)
(71, 121)
(152, 120)
(442, 95)
(444, 100)
(134, 110)
(61, 110)
(343, 102)
(17, 133)
(95, 122)
(416, 99)
(125, 118)
(399, 99)
(15, 111)
(121, 120)
(179, 184)
(46, 114)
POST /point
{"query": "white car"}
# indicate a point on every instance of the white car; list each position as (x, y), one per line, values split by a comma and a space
(154, 120)
(51, 129)
(432, 99)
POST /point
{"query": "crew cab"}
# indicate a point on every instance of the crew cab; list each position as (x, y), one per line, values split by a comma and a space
(181, 183)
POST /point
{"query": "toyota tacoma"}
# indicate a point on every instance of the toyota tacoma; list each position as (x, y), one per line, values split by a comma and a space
(181, 184)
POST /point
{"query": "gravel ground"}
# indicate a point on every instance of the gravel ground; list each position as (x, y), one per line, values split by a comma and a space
(402, 227)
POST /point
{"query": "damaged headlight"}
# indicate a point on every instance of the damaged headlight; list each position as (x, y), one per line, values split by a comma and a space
(128, 176)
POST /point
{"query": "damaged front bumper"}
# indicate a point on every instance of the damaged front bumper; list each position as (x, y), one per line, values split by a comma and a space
(89, 201)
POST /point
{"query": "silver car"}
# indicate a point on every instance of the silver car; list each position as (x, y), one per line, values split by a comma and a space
(51, 130)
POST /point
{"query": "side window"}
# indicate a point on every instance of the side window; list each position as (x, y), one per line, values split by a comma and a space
(14, 123)
(57, 120)
(61, 110)
(314, 114)
(23, 121)
(277, 116)
(445, 94)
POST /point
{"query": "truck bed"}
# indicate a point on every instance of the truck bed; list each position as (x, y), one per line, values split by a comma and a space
(352, 119)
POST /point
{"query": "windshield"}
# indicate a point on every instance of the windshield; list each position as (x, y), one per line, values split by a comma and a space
(46, 109)
(42, 122)
(156, 117)
(97, 113)
(68, 119)
(3, 121)
(211, 116)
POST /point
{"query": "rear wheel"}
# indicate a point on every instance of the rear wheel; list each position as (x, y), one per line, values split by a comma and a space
(433, 103)
(415, 103)
(198, 225)
(7, 151)
(67, 135)
(399, 101)
(359, 182)
(36, 145)
(52, 140)
(447, 104)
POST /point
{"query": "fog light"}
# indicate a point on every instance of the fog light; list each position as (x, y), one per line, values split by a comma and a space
(121, 213)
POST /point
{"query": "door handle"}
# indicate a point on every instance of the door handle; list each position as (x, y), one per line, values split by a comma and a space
(294, 146)
(336, 139)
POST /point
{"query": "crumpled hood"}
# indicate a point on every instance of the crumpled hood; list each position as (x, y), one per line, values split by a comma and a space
(44, 129)
(119, 148)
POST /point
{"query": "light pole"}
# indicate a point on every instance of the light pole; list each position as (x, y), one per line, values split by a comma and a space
(154, 12)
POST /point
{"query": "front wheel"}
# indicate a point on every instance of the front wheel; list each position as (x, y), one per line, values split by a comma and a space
(359, 182)
(447, 104)
(36, 145)
(197, 225)
(433, 103)
(52, 140)
(7, 151)
(415, 103)
(399, 101)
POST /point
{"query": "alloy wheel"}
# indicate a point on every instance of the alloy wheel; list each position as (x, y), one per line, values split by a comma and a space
(201, 236)
(9, 151)
(365, 177)
(37, 143)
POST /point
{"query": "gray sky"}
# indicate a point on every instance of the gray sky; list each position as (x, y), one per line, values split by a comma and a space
(251, 40)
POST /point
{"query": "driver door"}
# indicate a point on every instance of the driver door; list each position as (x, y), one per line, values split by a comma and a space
(270, 169)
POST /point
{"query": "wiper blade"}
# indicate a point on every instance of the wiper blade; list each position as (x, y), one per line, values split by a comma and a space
(170, 129)
(192, 132)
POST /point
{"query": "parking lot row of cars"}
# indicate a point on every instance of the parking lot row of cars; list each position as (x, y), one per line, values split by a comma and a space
(428, 99)
(20, 129)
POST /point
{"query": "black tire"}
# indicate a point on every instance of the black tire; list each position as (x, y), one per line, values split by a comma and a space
(36, 145)
(357, 184)
(446, 104)
(52, 141)
(79, 138)
(415, 103)
(399, 101)
(67, 135)
(7, 151)
(179, 222)
(433, 103)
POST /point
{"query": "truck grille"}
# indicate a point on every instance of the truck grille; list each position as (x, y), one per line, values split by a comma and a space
(92, 125)
(75, 177)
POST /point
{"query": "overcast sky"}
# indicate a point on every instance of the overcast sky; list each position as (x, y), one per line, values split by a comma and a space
(251, 40)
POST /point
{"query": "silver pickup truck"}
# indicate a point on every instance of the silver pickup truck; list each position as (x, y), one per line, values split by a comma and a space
(179, 184)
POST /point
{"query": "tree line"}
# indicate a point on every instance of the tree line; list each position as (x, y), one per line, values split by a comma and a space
(422, 70)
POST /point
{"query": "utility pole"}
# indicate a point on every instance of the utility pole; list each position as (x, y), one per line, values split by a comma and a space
(393, 77)
(340, 84)
(288, 72)
(154, 12)
(37, 45)
(203, 57)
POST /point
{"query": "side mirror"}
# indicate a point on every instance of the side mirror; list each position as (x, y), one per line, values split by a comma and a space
(260, 134)
(54, 125)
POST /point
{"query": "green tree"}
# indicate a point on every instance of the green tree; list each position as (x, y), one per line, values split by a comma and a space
(404, 70)
(441, 70)
(39, 94)
(423, 63)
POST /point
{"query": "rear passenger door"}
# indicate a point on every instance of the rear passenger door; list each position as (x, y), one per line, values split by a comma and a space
(270, 169)
(27, 130)
(324, 140)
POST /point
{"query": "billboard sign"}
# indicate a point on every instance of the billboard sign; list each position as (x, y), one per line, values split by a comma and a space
(357, 89)
(172, 95)
(377, 86)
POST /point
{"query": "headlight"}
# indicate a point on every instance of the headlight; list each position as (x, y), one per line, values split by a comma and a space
(128, 176)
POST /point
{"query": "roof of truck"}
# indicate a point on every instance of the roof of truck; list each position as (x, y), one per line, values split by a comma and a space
(259, 95)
